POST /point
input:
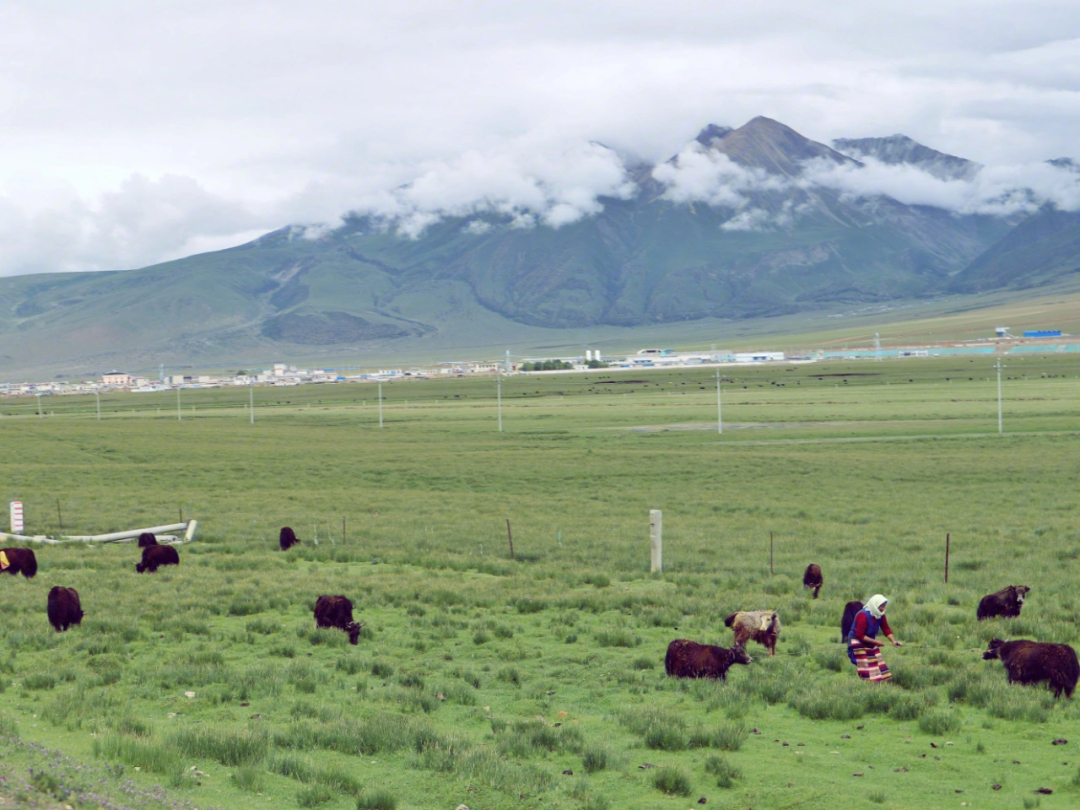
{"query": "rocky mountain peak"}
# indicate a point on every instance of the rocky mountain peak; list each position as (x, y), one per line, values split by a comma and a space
(896, 150)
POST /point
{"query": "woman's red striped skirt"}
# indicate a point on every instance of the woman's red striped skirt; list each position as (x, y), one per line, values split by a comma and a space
(869, 662)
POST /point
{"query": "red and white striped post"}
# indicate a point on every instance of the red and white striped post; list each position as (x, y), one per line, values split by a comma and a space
(16, 517)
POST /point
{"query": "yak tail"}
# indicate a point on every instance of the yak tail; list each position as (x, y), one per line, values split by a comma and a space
(730, 619)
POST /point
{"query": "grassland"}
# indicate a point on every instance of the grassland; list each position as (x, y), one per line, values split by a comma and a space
(538, 681)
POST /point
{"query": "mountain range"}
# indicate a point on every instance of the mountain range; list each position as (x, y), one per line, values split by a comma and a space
(770, 238)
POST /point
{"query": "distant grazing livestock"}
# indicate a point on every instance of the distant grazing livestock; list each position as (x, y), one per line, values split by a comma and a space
(336, 611)
(688, 659)
(1006, 602)
(851, 610)
(18, 561)
(763, 626)
(287, 538)
(812, 578)
(147, 539)
(154, 556)
(64, 608)
(1030, 662)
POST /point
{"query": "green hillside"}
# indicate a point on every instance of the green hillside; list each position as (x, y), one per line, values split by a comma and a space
(644, 269)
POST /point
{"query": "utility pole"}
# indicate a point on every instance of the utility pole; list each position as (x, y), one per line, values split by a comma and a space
(1000, 428)
(97, 396)
(498, 394)
(179, 412)
(251, 401)
(380, 403)
(719, 414)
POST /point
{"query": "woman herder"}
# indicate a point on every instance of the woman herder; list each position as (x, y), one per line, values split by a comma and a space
(864, 649)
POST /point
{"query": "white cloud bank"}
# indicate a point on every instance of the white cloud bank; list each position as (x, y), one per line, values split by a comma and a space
(701, 175)
(54, 229)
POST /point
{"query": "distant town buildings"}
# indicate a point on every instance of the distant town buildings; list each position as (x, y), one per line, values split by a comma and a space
(283, 374)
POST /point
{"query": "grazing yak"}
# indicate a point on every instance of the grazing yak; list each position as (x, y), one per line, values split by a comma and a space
(688, 659)
(147, 539)
(336, 611)
(154, 556)
(64, 608)
(287, 538)
(763, 626)
(1030, 662)
(851, 610)
(18, 561)
(1006, 602)
(812, 578)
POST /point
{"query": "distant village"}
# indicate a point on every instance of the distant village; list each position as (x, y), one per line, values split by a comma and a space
(282, 374)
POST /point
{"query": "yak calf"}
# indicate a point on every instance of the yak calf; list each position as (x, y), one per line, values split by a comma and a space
(18, 561)
(1006, 602)
(64, 608)
(155, 556)
(812, 578)
(688, 659)
(1029, 662)
(763, 626)
(336, 611)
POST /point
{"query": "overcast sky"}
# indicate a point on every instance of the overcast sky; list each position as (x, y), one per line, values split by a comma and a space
(134, 132)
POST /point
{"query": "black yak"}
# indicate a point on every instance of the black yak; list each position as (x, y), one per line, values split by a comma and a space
(336, 611)
(287, 538)
(1006, 602)
(154, 556)
(18, 561)
(147, 539)
(64, 608)
(812, 578)
(1030, 662)
(851, 610)
(763, 626)
(688, 659)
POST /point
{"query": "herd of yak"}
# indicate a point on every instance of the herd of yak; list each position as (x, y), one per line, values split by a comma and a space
(1026, 662)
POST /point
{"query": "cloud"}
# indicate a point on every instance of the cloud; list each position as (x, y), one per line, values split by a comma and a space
(698, 174)
(54, 229)
(288, 112)
(993, 190)
(701, 175)
(521, 184)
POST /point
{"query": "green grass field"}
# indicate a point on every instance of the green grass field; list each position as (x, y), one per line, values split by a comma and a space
(538, 681)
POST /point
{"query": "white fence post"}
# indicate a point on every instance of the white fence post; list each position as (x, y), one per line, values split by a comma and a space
(656, 542)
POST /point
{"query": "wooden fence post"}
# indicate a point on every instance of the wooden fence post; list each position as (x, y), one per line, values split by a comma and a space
(510, 538)
(946, 558)
(656, 540)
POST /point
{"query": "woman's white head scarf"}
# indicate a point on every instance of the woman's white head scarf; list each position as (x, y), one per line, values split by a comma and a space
(876, 605)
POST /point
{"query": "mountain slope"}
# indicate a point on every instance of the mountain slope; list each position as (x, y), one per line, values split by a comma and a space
(901, 150)
(1038, 251)
(781, 245)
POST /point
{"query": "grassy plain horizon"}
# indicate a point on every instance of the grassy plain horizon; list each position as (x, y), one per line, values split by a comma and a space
(471, 658)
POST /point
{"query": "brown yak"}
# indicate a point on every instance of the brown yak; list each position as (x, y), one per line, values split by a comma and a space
(1006, 603)
(688, 659)
(812, 578)
(64, 608)
(336, 611)
(155, 556)
(1029, 662)
(287, 538)
(18, 561)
